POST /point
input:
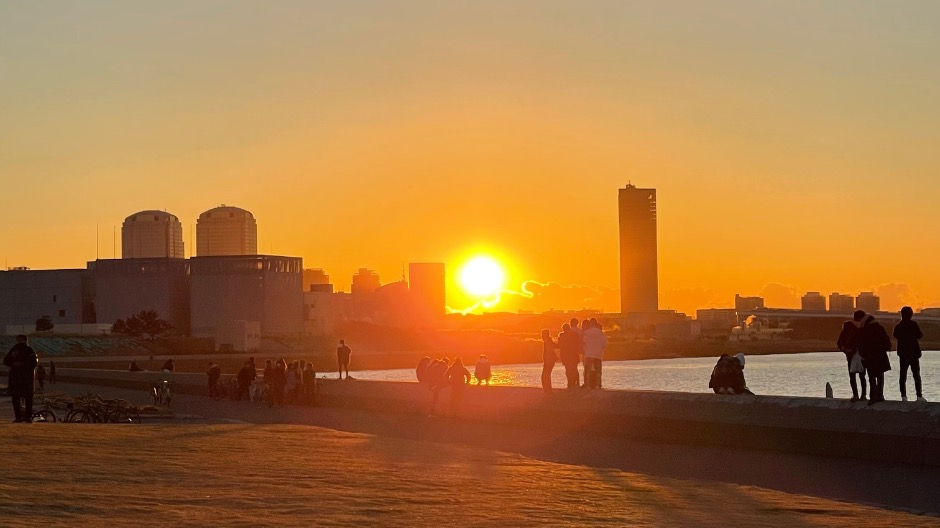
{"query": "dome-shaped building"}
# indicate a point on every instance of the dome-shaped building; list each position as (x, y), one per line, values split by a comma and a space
(151, 234)
(226, 231)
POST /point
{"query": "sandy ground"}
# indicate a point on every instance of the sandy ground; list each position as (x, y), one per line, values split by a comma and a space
(284, 468)
(294, 475)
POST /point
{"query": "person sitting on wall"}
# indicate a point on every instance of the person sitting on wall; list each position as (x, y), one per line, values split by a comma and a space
(168, 365)
(728, 376)
(133, 367)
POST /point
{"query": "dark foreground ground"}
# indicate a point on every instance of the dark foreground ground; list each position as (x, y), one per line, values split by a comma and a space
(243, 465)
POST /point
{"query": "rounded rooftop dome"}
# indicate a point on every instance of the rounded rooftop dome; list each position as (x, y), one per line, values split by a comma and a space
(151, 216)
(225, 211)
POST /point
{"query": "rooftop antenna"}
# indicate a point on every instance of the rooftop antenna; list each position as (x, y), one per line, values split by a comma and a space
(113, 241)
(403, 272)
(96, 241)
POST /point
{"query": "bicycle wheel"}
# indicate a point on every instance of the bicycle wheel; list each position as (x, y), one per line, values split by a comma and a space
(78, 416)
(44, 416)
(119, 416)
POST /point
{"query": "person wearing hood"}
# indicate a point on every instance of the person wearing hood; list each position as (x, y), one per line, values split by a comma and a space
(847, 345)
(594, 344)
(873, 345)
(908, 335)
(482, 372)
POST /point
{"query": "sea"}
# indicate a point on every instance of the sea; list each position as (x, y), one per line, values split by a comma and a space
(803, 374)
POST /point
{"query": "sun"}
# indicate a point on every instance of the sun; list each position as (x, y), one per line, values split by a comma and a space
(482, 277)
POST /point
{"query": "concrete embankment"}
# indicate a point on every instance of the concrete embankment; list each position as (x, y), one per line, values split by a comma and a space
(889, 431)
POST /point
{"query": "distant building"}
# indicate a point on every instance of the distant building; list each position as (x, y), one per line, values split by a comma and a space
(813, 302)
(125, 287)
(365, 281)
(254, 288)
(716, 322)
(428, 298)
(748, 304)
(841, 304)
(151, 234)
(930, 312)
(639, 278)
(226, 231)
(65, 295)
(868, 301)
(315, 276)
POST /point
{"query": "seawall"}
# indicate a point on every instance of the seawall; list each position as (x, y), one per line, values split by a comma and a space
(889, 431)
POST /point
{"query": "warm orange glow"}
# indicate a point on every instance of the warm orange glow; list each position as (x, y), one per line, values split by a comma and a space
(482, 277)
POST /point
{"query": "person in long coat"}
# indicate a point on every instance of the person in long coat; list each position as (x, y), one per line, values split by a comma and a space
(22, 361)
(873, 345)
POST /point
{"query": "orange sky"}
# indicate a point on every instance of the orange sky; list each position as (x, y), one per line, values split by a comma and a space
(791, 143)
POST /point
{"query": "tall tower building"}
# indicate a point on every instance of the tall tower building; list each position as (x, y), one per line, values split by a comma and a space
(639, 278)
(151, 234)
(226, 231)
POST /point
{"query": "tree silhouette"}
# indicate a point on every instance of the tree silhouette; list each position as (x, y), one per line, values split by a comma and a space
(44, 324)
(146, 323)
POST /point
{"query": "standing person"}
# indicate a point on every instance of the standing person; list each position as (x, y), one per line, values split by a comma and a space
(873, 345)
(908, 334)
(245, 376)
(52, 372)
(310, 385)
(585, 324)
(279, 381)
(548, 361)
(457, 378)
(41, 376)
(570, 344)
(594, 344)
(21, 360)
(421, 371)
(342, 357)
(848, 346)
(482, 372)
(293, 384)
(437, 376)
(213, 375)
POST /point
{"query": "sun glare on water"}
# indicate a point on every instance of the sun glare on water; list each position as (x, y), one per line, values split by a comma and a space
(482, 277)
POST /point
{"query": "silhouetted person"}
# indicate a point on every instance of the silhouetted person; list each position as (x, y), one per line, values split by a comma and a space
(41, 376)
(483, 372)
(51, 372)
(908, 335)
(133, 366)
(278, 376)
(728, 376)
(310, 385)
(594, 344)
(437, 377)
(848, 346)
(873, 345)
(342, 357)
(548, 361)
(457, 378)
(569, 342)
(21, 360)
(421, 371)
(168, 365)
(213, 375)
(244, 378)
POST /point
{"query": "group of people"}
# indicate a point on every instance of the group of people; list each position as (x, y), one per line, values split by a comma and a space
(290, 383)
(866, 344)
(439, 374)
(582, 343)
